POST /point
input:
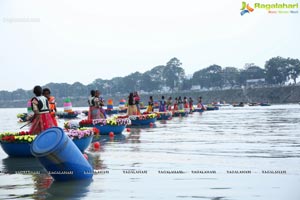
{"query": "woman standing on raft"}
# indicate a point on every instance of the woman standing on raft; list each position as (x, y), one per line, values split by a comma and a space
(150, 105)
(96, 106)
(169, 104)
(162, 104)
(90, 102)
(52, 104)
(41, 120)
(180, 103)
(175, 104)
(131, 110)
(136, 98)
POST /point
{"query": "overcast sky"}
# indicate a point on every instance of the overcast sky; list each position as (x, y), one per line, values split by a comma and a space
(69, 41)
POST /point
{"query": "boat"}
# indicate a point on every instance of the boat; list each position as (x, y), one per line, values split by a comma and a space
(85, 112)
(22, 117)
(68, 115)
(123, 110)
(17, 149)
(265, 104)
(106, 129)
(241, 104)
(112, 111)
(17, 144)
(142, 120)
(180, 113)
(210, 108)
(253, 104)
(164, 115)
(198, 110)
(83, 143)
(116, 124)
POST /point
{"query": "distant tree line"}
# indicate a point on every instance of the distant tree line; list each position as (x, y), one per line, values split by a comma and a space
(172, 77)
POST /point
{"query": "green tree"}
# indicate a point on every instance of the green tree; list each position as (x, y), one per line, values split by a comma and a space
(230, 76)
(277, 70)
(293, 69)
(251, 71)
(174, 74)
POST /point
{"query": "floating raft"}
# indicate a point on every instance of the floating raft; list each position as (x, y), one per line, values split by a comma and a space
(123, 110)
(22, 117)
(210, 108)
(83, 143)
(112, 111)
(198, 110)
(142, 122)
(180, 114)
(265, 104)
(164, 115)
(67, 115)
(85, 112)
(106, 129)
(21, 149)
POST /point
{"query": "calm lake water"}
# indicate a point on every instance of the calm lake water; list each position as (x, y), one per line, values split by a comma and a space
(239, 147)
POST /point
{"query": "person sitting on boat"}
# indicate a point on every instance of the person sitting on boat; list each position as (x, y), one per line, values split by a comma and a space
(162, 104)
(150, 105)
(169, 104)
(52, 104)
(131, 110)
(175, 104)
(90, 103)
(191, 104)
(41, 120)
(137, 102)
(180, 103)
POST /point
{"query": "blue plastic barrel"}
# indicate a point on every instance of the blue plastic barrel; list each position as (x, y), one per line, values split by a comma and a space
(60, 156)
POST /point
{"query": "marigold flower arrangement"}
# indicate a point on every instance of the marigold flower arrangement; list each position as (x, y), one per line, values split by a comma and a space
(17, 137)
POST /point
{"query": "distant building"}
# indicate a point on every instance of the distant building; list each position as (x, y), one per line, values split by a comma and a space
(196, 87)
(255, 82)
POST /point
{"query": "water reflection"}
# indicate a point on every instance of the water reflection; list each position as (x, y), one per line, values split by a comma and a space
(134, 136)
(68, 190)
(13, 165)
(96, 161)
